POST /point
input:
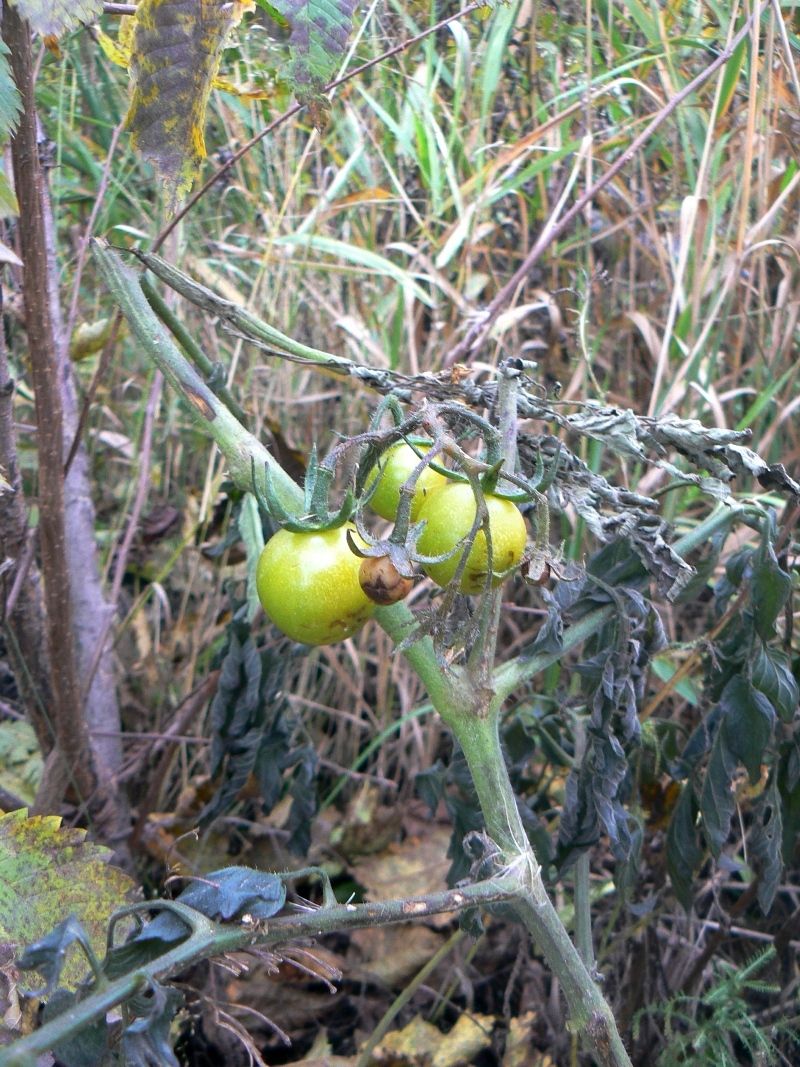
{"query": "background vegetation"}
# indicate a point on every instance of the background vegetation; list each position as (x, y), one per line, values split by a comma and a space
(379, 238)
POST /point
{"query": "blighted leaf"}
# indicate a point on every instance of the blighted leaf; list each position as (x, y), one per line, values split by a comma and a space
(771, 673)
(49, 954)
(48, 873)
(232, 891)
(421, 1042)
(88, 338)
(320, 30)
(51, 18)
(176, 51)
(9, 96)
(225, 894)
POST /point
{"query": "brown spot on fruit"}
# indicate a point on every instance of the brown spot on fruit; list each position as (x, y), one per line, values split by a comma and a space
(381, 580)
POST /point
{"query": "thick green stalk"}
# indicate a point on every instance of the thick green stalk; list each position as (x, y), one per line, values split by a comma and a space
(474, 718)
(589, 1014)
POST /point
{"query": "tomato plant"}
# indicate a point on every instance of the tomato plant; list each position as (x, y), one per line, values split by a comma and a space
(449, 513)
(308, 585)
(395, 467)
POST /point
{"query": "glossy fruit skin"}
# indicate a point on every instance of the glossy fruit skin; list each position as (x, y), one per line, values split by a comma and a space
(308, 585)
(449, 514)
(396, 465)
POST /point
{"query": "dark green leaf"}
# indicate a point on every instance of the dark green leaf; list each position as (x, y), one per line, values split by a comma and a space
(454, 785)
(747, 723)
(765, 844)
(550, 635)
(684, 852)
(771, 673)
(771, 587)
(305, 801)
(789, 791)
(225, 894)
(254, 732)
(716, 801)
(698, 745)
(429, 785)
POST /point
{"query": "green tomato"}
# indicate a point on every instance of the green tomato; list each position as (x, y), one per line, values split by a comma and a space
(395, 466)
(449, 514)
(308, 585)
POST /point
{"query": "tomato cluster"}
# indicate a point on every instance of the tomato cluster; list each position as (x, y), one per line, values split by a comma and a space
(316, 590)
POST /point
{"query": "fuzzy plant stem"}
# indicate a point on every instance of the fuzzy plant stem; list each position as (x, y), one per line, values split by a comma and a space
(207, 939)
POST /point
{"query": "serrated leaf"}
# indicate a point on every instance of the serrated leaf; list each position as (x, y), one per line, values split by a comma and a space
(47, 873)
(51, 18)
(765, 844)
(320, 30)
(771, 673)
(684, 851)
(747, 723)
(176, 51)
(770, 589)
(10, 103)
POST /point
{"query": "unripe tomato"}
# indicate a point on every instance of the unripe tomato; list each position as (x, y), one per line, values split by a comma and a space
(395, 467)
(308, 585)
(382, 581)
(449, 514)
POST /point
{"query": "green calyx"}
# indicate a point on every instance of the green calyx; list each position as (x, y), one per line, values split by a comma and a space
(316, 514)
